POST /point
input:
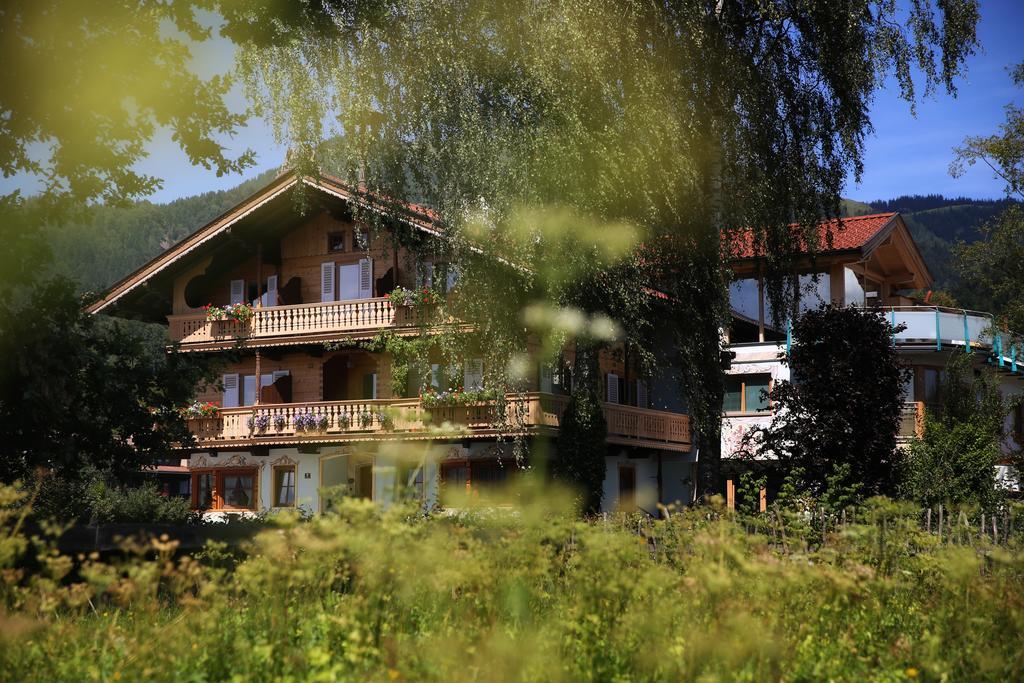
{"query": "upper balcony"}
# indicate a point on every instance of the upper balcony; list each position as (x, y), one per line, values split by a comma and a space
(356, 318)
(397, 419)
(932, 328)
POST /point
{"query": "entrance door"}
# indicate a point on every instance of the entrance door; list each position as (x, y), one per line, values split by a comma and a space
(627, 488)
(365, 489)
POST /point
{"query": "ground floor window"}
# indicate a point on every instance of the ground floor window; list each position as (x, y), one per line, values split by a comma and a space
(224, 489)
(284, 486)
(477, 478)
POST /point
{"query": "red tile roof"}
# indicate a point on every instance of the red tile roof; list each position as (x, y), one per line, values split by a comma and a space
(853, 232)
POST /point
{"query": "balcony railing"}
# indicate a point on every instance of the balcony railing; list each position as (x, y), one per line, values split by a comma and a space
(406, 418)
(281, 321)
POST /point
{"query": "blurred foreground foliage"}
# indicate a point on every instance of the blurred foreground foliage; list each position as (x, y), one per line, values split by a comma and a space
(535, 594)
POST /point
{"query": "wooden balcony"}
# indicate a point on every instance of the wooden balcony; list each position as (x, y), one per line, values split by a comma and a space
(302, 322)
(403, 419)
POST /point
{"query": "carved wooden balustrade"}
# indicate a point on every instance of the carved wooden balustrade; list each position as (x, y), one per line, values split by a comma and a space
(332, 421)
(356, 315)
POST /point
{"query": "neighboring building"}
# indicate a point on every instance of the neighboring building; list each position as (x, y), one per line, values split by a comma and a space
(870, 261)
(302, 407)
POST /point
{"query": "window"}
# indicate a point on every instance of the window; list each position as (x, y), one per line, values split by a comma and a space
(238, 490)
(335, 241)
(410, 481)
(481, 479)
(361, 237)
(746, 393)
(204, 491)
(284, 486)
(225, 489)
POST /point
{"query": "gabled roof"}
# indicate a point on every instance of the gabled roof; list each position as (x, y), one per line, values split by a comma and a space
(413, 215)
(853, 239)
(855, 232)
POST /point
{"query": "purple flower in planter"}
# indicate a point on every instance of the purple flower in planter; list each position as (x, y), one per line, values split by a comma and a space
(303, 421)
(280, 421)
(320, 422)
(258, 423)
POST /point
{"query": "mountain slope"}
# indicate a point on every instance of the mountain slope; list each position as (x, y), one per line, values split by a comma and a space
(113, 241)
(116, 240)
(937, 224)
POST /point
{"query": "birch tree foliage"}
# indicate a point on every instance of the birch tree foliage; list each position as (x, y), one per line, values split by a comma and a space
(86, 84)
(669, 125)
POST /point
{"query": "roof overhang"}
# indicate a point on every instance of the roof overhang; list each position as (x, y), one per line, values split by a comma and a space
(274, 193)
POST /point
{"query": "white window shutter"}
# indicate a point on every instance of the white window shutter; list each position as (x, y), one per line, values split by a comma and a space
(452, 278)
(327, 281)
(473, 374)
(435, 375)
(546, 383)
(641, 394)
(365, 278)
(237, 292)
(230, 382)
(270, 298)
(373, 394)
(612, 384)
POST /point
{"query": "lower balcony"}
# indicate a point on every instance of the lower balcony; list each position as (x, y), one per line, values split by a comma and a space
(380, 420)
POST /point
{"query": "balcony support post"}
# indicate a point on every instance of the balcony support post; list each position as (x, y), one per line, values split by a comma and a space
(259, 291)
(938, 331)
(259, 376)
(967, 336)
(760, 308)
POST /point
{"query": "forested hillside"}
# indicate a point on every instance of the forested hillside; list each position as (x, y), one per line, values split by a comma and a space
(937, 224)
(113, 241)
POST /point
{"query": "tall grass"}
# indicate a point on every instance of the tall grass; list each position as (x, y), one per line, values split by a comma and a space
(529, 594)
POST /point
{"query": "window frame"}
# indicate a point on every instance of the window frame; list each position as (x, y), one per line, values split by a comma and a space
(481, 489)
(275, 488)
(340, 235)
(743, 393)
(217, 494)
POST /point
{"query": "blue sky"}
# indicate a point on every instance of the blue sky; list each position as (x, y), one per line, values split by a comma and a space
(905, 155)
(908, 155)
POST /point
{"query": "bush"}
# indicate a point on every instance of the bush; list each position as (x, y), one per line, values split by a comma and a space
(111, 503)
(955, 460)
(95, 498)
(535, 594)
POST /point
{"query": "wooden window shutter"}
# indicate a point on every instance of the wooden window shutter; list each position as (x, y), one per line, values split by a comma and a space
(237, 292)
(612, 388)
(473, 374)
(230, 382)
(641, 394)
(365, 278)
(327, 281)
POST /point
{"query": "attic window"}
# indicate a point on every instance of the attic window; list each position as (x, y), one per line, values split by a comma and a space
(335, 242)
